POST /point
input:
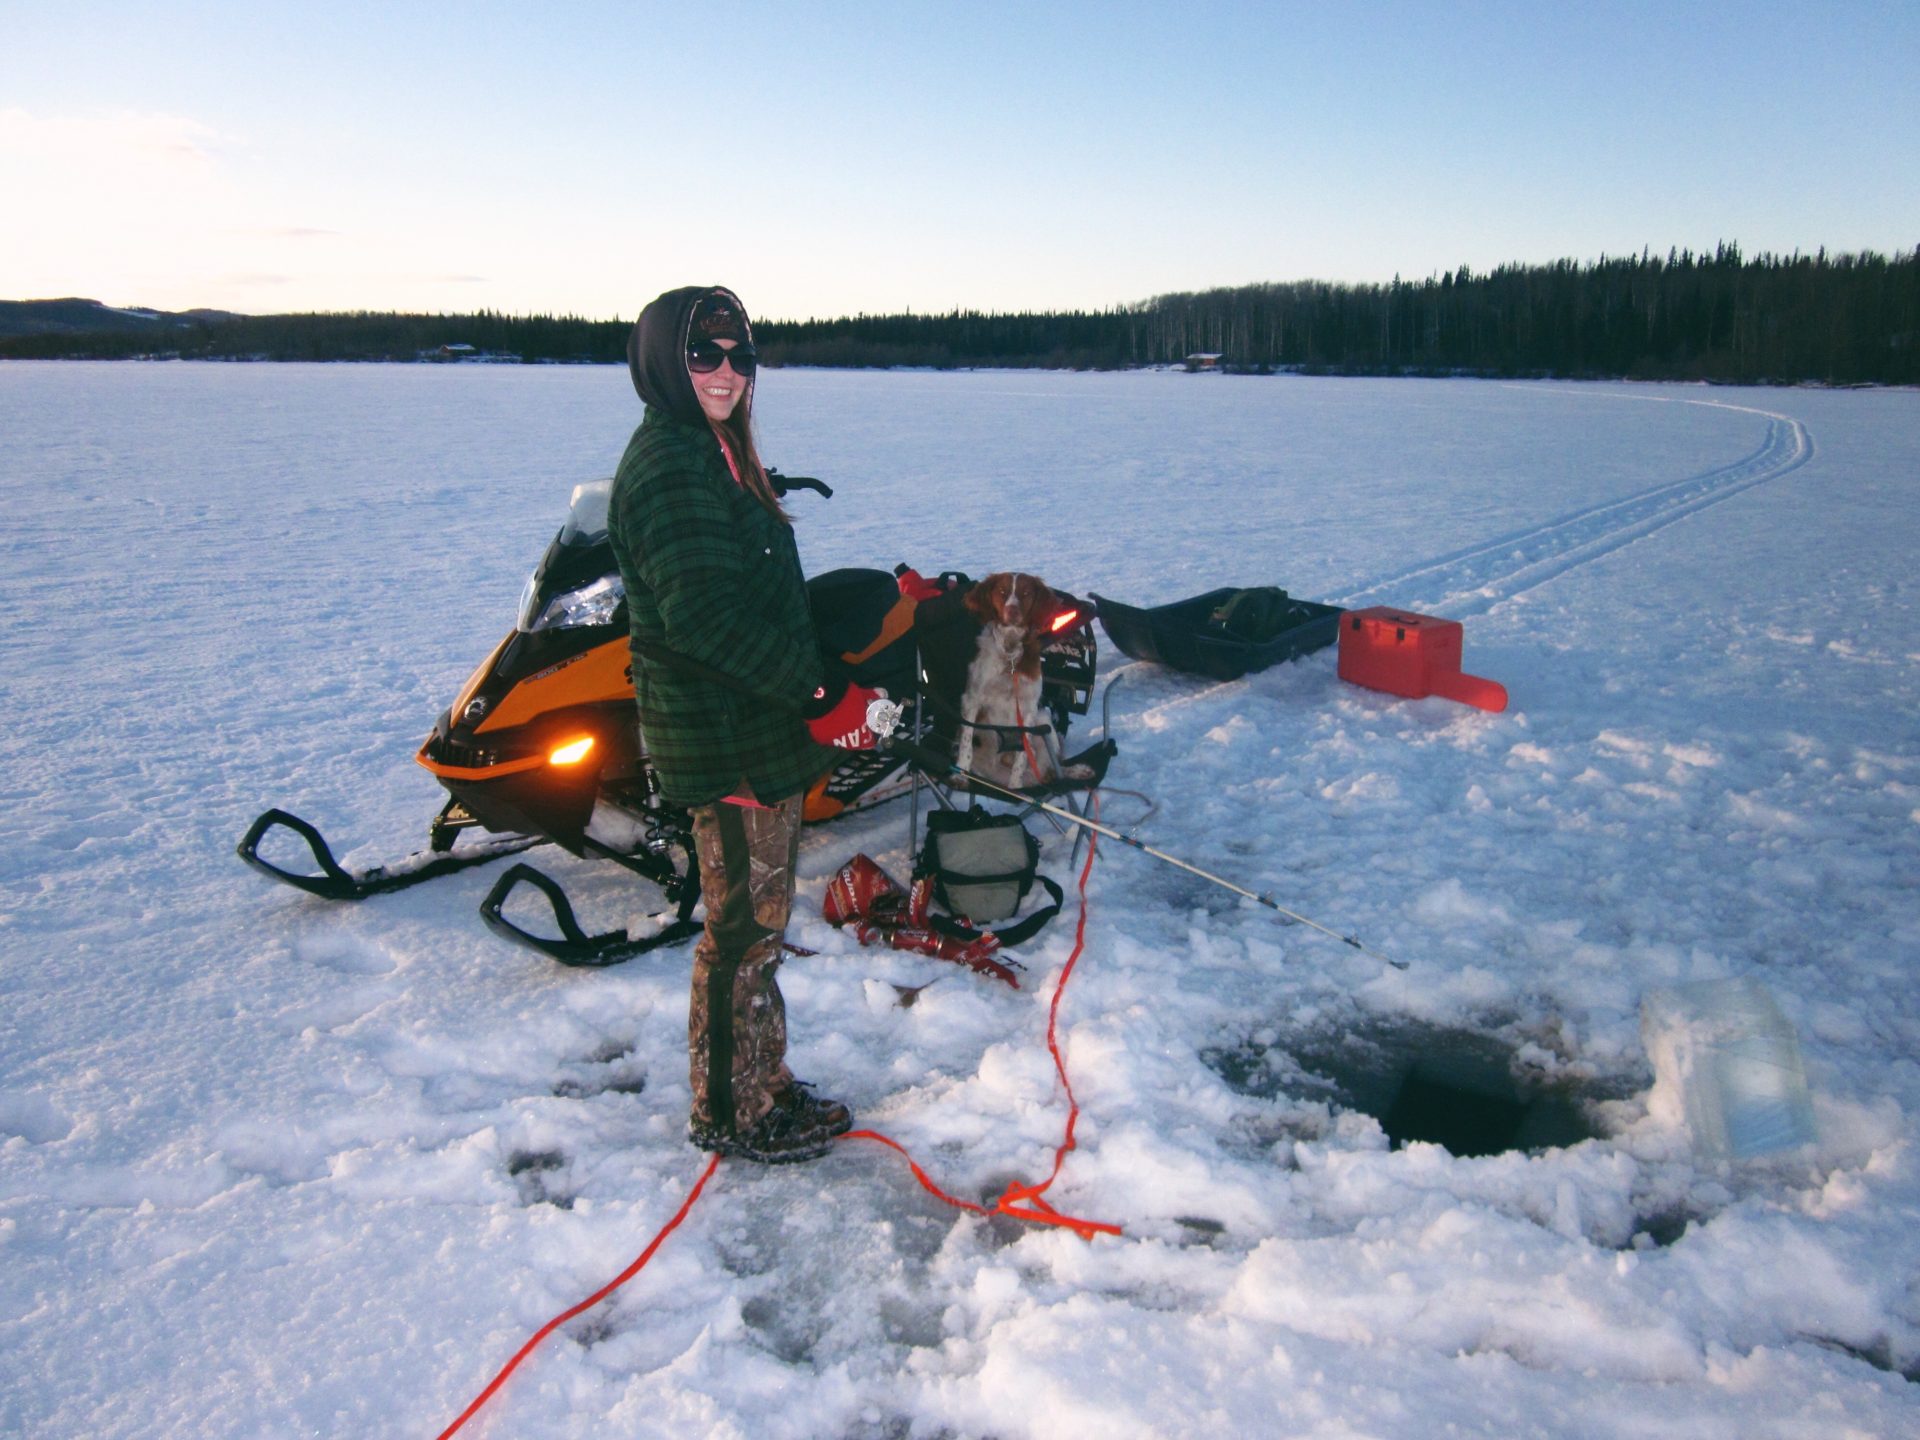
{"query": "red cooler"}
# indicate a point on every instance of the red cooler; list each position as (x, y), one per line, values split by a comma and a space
(1404, 653)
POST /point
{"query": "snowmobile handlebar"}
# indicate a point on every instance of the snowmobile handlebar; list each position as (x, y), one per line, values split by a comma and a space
(783, 483)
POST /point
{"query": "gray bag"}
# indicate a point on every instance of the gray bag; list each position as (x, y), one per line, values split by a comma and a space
(982, 867)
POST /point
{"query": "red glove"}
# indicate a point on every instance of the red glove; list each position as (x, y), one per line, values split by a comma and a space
(840, 720)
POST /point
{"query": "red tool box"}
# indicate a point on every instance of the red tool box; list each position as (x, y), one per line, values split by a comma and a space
(1414, 655)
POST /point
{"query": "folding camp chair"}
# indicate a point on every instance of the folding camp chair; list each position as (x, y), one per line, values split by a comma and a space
(946, 636)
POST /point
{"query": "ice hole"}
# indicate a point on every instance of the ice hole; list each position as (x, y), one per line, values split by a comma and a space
(1459, 1089)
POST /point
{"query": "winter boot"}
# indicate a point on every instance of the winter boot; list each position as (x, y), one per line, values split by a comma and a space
(792, 1129)
(835, 1117)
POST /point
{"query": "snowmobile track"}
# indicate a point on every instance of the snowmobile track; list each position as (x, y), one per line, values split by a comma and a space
(1472, 581)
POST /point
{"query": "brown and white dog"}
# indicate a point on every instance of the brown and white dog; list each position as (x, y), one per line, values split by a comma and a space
(1003, 682)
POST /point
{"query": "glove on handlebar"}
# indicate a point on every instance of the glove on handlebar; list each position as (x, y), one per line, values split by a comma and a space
(839, 718)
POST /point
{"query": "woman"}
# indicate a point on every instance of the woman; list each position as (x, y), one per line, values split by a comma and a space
(733, 708)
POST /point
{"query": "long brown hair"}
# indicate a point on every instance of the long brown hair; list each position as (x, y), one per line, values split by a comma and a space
(735, 434)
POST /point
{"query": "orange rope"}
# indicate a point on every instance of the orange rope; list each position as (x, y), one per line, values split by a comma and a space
(1033, 762)
(587, 1304)
(1020, 1202)
(1025, 1202)
(918, 1174)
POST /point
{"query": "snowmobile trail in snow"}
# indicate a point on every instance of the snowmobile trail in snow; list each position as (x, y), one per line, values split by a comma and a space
(1472, 581)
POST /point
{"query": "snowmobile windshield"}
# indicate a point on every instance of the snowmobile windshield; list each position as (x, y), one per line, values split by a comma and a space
(587, 513)
(575, 582)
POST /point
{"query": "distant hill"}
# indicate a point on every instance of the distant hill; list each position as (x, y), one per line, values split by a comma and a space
(73, 316)
(74, 329)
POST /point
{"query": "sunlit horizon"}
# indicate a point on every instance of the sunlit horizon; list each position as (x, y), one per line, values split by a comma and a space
(883, 159)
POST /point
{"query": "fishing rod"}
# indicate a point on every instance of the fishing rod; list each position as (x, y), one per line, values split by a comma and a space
(883, 718)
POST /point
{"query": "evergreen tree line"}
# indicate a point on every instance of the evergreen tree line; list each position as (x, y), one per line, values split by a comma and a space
(1841, 319)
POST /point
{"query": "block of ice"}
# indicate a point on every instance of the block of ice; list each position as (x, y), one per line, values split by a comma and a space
(1726, 1053)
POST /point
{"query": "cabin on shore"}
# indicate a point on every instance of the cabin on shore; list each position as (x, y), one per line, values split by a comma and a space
(1203, 360)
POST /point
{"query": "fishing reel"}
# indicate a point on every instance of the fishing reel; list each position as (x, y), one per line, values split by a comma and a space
(883, 717)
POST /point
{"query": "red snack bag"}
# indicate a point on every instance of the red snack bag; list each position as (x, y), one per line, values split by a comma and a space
(976, 955)
(861, 890)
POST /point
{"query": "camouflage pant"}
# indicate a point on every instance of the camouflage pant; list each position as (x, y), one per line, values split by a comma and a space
(736, 1020)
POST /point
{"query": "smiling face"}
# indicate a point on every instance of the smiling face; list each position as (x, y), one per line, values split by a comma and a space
(719, 391)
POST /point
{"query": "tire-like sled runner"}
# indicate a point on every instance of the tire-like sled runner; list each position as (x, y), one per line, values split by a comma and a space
(541, 744)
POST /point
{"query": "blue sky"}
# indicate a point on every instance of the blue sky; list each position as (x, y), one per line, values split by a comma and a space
(833, 158)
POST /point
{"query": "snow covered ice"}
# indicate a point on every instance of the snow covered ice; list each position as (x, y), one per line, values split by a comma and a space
(274, 1167)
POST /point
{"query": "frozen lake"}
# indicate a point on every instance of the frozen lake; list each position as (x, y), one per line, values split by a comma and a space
(271, 1167)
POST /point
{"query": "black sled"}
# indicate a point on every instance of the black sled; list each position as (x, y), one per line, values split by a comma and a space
(1224, 633)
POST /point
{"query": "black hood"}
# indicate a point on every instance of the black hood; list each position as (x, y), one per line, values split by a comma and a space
(657, 350)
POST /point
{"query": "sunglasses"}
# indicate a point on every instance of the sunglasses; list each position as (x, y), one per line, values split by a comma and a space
(705, 356)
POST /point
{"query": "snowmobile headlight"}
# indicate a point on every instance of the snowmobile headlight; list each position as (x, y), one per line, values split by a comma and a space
(571, 753)
(589, 605)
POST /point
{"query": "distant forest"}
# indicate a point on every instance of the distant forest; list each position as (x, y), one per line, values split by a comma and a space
(1837, 319)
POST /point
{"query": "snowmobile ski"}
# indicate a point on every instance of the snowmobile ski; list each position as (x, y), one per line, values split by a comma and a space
(576, 947)
(680, 883)
(337, 883)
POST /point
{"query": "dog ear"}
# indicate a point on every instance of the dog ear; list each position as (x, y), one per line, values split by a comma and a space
(978, 601)
(1045, 602)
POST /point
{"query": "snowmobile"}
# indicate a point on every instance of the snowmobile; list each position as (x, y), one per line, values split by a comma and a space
(541, 744)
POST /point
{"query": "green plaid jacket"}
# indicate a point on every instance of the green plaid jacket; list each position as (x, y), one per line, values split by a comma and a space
(711, 575)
